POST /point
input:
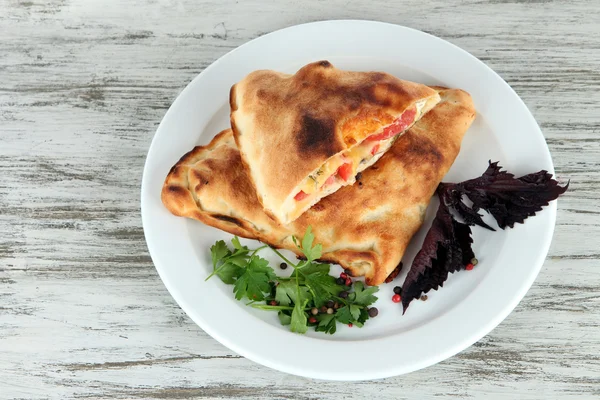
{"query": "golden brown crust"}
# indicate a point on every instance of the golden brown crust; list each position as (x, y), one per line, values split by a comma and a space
(195, 185)
(365, 227)
(292, 124)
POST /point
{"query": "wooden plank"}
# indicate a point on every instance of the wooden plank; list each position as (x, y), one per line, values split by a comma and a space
(83, 86)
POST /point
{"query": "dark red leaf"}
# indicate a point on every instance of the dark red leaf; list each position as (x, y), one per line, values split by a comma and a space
(508, 199)
(453, 195)
(447, 245)
(446, 248)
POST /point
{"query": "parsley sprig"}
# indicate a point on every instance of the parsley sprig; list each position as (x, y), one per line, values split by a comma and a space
(309, 287)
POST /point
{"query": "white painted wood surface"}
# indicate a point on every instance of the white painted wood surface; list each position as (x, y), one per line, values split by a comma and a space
(83, 86)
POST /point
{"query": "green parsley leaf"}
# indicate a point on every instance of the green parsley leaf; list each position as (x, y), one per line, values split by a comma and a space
(284, 318)
(218, 251)
(237, 245)
(241, 260)
(355, 311)
(311, 253)
(308, 239)
(299, 321)
(315, 252)
(326, 323)
(343, 315)
(287, 292)
(364, 297)
(364, 316)
(322, 287)
(348, 314)
(253, 283)
(229, 272)
(312, 268)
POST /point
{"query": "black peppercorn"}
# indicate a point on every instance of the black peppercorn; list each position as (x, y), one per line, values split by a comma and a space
(343, 294)
(373, 312)
(340, 281)
(283, 265)
(398, 290)
(330, 304)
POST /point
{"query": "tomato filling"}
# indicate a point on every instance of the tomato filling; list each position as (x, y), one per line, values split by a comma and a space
(330, 180)
(345, 171)
(375, 149)
(396, 127)
(300, 196)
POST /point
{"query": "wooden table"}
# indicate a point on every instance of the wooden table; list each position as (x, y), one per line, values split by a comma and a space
(83, 86)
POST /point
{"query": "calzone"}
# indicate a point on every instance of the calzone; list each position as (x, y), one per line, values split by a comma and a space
(365, 227)
(304, 136)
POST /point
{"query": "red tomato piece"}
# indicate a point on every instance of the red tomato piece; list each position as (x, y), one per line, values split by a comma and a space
(300, 196)
(345, 171)
(397, 126)
(375, 149)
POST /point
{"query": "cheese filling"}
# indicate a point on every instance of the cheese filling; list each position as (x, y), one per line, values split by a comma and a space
(342, 169)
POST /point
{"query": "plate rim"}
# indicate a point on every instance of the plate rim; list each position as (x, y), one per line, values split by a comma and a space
(549, 212)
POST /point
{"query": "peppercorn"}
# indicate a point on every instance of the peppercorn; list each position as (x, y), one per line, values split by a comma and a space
(350, 325)
(323, 309)
(373, 312)
(312, 320)
(396, 298)
(273, 302)
(348, 272)
(330, 311)
(398, 290)
(343, 294)
(314, 311)
(343, 275)
(283, 265)
(330, 304)
(424, 297)
(340, 281)
(348, 282)
(469, 267)
(336, 305)
(474, 261)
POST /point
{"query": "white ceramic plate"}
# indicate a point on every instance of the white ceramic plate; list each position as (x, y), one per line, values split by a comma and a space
(470, 304)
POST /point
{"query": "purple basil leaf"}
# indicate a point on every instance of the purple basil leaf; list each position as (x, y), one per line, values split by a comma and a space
(508, 199)
(447, 245)
(453, 198)
(446, 248)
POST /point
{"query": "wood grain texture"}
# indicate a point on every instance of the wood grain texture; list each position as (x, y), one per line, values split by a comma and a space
(83, 86)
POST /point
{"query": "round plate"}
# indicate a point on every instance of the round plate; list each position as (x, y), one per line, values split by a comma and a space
(468, 306)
